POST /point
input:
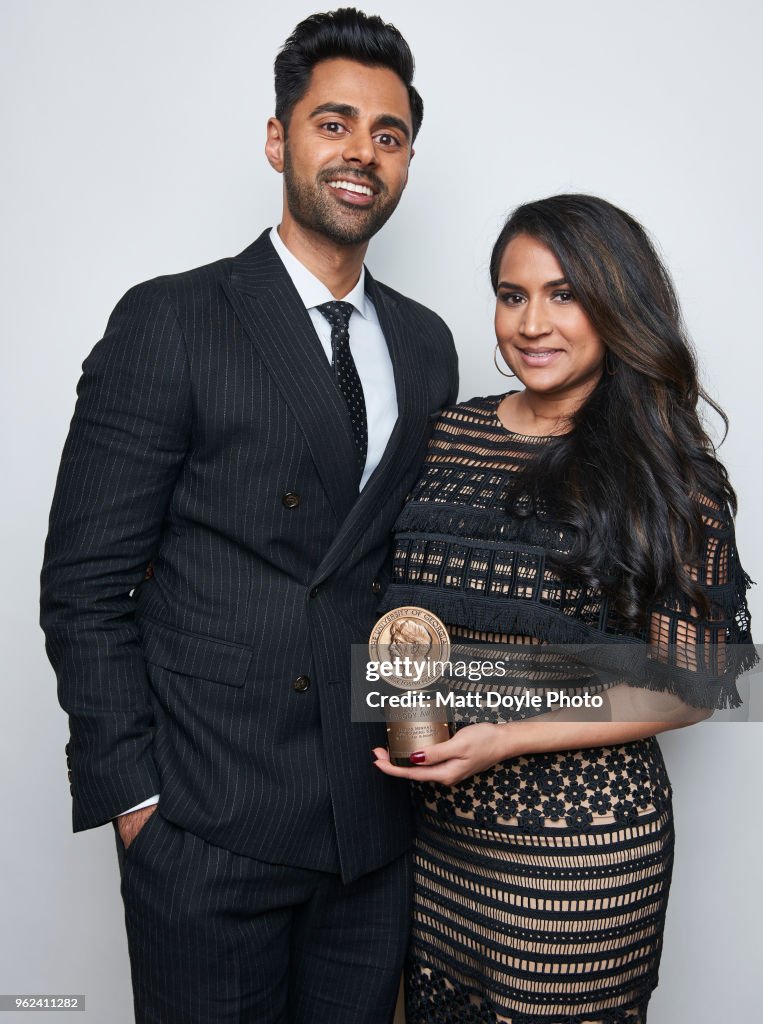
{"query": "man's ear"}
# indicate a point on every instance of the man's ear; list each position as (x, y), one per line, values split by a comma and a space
(407, 170)
(274, 143)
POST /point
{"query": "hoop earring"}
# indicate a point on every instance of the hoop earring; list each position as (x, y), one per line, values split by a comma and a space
(607, 365)
(495, 360)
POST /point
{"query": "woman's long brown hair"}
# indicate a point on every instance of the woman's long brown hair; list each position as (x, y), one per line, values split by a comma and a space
(629, 476)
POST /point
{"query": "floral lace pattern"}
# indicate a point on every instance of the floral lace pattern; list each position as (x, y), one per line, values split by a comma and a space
(575, 789)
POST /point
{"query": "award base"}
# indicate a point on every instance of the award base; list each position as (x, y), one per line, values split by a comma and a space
(403, 738)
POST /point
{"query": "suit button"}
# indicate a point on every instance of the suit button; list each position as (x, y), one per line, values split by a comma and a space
(376, 587)
(290, 500)
(302, 683)
(314, 592)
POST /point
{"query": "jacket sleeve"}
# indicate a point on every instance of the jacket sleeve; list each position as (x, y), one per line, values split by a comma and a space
(126, 445)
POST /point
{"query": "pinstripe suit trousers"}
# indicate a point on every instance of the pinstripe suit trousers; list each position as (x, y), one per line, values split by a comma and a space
(218, 938)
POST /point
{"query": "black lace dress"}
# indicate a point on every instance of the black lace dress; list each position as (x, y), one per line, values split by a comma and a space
(541, 884)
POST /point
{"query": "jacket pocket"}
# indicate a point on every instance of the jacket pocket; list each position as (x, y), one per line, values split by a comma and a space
(190, 654)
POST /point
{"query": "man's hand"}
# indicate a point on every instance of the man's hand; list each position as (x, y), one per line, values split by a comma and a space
(129, 825)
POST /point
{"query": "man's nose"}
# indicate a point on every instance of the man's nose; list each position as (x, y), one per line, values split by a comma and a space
(359, 147)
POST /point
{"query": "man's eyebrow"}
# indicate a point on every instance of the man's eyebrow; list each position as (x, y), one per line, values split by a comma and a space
(391, 121)
(347, 110)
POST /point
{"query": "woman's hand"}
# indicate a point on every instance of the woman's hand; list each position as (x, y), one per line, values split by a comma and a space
(629, 714)
(473, 749)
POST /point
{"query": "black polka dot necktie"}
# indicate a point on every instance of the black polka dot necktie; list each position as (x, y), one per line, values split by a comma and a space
(346, 373)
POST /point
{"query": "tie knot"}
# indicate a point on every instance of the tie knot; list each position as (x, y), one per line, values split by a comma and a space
(337, 313)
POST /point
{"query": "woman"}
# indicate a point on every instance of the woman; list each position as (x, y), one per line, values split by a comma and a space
(588, 508)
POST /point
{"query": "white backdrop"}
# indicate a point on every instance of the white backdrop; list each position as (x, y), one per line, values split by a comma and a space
(134, 137)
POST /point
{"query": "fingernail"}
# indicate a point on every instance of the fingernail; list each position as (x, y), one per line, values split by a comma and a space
(418, 758)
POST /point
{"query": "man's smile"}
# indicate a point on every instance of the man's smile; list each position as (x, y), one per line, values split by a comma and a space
(353, 190)
(352, 186)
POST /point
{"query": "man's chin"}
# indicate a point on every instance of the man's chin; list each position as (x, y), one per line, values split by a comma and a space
(355, 226)
(350, 231)
(350, 239)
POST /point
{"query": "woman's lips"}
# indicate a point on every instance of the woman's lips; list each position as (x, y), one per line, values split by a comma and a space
(539, 356)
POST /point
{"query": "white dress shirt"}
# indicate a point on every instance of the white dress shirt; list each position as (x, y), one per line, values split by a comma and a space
(371, 355)
(367, 344)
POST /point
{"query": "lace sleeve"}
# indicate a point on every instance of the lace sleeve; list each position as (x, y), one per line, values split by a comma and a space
(690, 663)
(699, 657)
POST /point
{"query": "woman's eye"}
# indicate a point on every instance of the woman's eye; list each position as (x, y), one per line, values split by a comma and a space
(512, 298)
(564, 296)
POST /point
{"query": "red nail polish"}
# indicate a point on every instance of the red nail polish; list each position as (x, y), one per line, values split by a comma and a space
(418, 758)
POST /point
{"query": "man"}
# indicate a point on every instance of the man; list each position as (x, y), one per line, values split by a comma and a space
(244, 438)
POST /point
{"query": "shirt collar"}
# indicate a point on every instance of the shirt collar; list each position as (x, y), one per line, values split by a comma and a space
(312, 291)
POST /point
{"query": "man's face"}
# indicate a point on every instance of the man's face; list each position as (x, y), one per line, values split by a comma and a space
(346, 154)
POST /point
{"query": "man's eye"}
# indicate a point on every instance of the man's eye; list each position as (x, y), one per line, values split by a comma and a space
(334, 127)
(385, 139)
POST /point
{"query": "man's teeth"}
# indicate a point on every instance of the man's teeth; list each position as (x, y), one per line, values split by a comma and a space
(350, 186)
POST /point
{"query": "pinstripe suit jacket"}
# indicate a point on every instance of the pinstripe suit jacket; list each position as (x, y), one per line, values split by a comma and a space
(207, 401)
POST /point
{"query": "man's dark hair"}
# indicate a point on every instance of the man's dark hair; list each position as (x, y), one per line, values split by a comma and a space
(347, 33)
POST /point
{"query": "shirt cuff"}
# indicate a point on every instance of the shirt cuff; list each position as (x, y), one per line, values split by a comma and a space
(145, 803)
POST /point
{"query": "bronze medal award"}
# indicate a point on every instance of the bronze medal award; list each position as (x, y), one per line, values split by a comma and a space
(414, 645)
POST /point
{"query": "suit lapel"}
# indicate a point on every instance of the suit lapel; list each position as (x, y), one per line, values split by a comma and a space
(268, 305)
(412, 397)
(404, 442)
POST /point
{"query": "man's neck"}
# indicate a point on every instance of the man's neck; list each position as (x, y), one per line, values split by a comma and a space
(337, 266)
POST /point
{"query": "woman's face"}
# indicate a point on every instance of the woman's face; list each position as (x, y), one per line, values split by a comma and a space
(543, 333)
